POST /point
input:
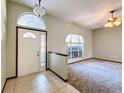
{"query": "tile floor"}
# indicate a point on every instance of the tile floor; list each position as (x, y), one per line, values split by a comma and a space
(41, 82)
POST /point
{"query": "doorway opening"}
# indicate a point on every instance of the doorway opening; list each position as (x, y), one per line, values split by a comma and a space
(31, 45)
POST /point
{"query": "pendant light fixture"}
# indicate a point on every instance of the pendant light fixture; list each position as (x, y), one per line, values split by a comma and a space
(38, 9)
(113, 21)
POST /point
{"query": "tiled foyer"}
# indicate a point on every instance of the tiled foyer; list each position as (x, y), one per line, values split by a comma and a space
(41, 82)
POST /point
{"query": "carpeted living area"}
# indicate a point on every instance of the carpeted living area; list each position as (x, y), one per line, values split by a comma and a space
(96, 76)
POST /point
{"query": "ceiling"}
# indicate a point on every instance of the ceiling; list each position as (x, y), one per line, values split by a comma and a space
(87, 13)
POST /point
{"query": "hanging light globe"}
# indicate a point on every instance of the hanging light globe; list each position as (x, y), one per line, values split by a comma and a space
(38, 9)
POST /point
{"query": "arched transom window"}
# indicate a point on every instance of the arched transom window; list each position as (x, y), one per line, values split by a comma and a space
(31, 20)
(75, 46)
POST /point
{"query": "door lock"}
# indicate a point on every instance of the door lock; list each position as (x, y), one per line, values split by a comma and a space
(38, 53)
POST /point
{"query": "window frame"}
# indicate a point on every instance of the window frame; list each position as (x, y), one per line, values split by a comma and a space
(78, 43)
(41, 19)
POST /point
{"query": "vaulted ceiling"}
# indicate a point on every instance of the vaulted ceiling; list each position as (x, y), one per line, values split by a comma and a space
(87, 13)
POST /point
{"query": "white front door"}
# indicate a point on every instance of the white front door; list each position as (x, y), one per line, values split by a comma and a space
(29, 46)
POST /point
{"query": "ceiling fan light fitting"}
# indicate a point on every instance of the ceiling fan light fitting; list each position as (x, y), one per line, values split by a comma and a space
(113, 21)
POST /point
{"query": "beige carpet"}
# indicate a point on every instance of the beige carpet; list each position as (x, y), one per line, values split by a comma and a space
(96, 76)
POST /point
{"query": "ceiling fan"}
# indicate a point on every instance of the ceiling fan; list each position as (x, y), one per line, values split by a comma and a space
(113, 21)
(38, 9)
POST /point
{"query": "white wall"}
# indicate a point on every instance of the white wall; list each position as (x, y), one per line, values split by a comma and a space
(59, 64)
(107, 43)
(57, 32)
(3, 42)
